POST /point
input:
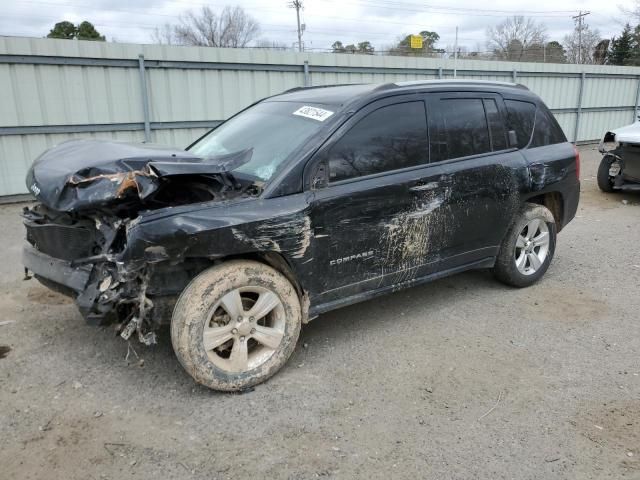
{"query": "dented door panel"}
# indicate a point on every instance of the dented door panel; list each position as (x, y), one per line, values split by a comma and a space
(483, 198)
(376, 232)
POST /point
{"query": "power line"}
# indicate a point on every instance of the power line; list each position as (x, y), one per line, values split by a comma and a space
(464, 9)
(412, 7)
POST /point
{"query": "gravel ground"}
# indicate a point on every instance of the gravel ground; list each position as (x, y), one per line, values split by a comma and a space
(461, 378)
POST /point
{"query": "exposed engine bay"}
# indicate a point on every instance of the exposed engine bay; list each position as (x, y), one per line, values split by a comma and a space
(77, 235)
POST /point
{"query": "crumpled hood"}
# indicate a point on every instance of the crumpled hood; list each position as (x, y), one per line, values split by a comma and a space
(81, 174)
(626, 134)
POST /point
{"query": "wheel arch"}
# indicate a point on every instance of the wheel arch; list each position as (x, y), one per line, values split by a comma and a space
(277, 261)
(554, 201)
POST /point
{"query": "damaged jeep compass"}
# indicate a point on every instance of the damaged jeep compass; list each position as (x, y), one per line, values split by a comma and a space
(304, 202)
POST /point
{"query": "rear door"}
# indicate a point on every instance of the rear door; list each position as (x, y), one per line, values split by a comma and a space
(371, 222)
(482, 174)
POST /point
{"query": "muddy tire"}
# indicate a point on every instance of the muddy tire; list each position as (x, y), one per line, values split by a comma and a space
(528, 247)
(235, 325)
(605, 182)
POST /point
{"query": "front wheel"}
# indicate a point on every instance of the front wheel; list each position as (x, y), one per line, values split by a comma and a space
(528, 247)
(235, 325)
(605, 180)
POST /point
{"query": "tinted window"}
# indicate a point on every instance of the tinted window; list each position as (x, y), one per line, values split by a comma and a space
(389, 138)
(520, 117)
(496, 125)
(546, 131)
(459, 129)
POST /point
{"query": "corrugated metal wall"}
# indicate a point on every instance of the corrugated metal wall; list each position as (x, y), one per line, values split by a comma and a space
(53, 90)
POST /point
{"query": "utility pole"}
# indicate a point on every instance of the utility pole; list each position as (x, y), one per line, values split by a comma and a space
(455, 56)
(297, 4)
(579, 18)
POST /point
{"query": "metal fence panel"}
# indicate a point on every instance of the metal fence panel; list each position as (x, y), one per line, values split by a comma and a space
(54, 90)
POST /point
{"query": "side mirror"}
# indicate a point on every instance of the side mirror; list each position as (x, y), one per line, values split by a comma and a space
(513, 138)
(320, 177)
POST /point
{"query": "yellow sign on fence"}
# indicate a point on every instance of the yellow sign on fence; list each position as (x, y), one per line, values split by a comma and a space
(416, 41)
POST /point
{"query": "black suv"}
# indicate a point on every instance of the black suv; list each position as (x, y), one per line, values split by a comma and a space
(302, 203)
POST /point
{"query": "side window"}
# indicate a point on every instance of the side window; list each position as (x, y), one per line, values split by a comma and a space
(546, 130)
(389, 138)
(496, 125)
(459, 129)
(521, 116)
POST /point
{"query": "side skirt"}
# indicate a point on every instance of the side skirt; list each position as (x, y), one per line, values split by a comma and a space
(316, 310)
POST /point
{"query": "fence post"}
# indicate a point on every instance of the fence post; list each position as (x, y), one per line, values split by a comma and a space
(145, 99)
(514, 76)
(635, 110)
(583, 77)
(440, 73)
(307, 77)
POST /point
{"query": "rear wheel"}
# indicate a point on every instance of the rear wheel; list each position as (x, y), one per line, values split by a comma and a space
(235, 325)
(605, 180)
(528, 247)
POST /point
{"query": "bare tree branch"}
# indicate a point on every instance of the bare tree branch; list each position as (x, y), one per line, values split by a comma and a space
(590, 39)
(232, 28)
(512, 38)
(163, 35)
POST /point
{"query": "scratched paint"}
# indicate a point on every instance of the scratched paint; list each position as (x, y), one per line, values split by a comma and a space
(291, 236)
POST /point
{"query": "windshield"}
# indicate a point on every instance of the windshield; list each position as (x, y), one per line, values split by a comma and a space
(272, 129)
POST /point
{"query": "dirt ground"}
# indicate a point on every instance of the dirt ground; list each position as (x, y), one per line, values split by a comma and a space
(461, 378)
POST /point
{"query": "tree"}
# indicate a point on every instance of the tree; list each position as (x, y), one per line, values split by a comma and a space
(555, 53)
(577, 52)
(633, 12)
(233, 28)
(337, 47)
(365, 47)
(601, 52)
(621, 48)
(68, 31)
(513, 37)
(86, 31)
(429, 40)
(351, 48)
(362, 48)
(163, 35)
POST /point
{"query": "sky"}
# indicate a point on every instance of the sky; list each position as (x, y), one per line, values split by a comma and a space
(379, 21)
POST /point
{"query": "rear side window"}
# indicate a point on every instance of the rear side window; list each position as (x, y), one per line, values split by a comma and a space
(390, 138)
(521, 116)
(546, 131)
(496, 125)
(459, 129)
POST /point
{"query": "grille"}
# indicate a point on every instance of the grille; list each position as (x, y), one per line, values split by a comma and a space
(61, 241)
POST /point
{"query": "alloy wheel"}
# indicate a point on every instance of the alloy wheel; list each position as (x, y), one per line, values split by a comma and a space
(245, 328)
(532, 246)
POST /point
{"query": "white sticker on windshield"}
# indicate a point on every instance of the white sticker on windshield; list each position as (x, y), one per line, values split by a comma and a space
(314, 113)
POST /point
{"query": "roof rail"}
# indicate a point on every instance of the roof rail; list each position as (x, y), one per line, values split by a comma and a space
(411, 83)
(297, 89)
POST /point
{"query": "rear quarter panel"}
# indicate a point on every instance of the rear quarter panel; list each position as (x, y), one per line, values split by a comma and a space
(553, 168)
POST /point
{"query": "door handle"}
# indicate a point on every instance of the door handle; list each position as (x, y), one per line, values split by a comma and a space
(423, 187)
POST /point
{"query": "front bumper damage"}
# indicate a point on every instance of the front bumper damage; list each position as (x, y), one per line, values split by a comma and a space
(92, 194)
(60, 272)
(105, 290)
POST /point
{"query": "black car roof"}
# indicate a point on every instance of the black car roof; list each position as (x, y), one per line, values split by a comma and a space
(343, 94)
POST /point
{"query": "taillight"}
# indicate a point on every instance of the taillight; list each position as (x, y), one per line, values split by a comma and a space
(577, 162)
